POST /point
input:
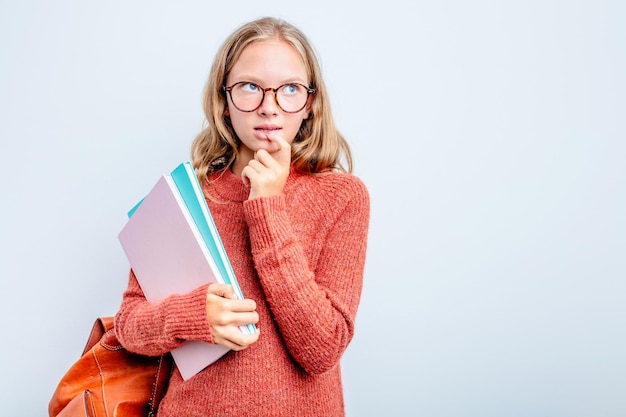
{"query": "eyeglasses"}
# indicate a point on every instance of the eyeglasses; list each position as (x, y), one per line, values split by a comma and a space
(290, 98)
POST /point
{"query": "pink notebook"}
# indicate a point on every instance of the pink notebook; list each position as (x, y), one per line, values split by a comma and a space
(168, 256)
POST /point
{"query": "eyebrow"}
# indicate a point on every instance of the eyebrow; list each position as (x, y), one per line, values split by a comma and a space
(255, 80)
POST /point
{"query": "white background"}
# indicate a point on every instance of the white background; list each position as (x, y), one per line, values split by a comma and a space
(491, 137)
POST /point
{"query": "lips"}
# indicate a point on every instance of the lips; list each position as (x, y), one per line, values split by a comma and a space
(267, 128)
(265, 131)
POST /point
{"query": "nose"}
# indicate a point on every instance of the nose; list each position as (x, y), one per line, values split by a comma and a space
(269, 105)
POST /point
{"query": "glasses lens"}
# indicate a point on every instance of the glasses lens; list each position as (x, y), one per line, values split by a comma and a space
(292, 97)
(248, 96)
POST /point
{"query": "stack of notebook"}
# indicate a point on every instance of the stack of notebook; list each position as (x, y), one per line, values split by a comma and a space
(173, 247)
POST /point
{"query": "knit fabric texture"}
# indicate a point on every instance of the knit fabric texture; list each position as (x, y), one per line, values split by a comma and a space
(300, 256)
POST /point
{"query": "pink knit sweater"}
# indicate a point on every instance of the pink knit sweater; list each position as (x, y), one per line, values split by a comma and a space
(300, 256)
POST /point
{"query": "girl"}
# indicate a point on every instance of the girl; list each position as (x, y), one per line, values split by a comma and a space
(294, 224)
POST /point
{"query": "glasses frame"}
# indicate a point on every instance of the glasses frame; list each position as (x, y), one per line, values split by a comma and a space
(229, 90)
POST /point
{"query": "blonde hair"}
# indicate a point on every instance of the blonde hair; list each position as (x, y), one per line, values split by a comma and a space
(318, 146)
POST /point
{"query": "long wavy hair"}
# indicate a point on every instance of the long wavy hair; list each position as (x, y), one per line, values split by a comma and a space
(318, 146)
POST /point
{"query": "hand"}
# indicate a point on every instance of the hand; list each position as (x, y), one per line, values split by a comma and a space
(226, 313)
(267, 173)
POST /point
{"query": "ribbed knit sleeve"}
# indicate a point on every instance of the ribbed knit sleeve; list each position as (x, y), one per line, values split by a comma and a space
(313, 291)
(156, 328)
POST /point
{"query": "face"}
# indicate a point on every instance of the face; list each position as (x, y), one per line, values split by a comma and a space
(269, 63)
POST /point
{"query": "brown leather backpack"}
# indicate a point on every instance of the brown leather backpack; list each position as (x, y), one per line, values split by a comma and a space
(109, 381)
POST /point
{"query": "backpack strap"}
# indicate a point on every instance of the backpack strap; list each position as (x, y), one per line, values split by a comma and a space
(100, 327)
(163, 375)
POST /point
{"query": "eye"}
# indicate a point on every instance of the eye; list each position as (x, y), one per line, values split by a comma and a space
(291, 89)
(249, 87)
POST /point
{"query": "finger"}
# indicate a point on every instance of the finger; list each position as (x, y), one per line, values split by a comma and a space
(245, 178)
(257, 164)
(265, 160)
(247, 174)
(227, 319)
(245, 318)
(234, 339)
(257, 170)
(222, 290)
(283, 154)
(230, 345)
(241, 306)
(243, 341)
(250, 174)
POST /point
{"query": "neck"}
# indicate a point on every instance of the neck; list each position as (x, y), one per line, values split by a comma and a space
(244, 156)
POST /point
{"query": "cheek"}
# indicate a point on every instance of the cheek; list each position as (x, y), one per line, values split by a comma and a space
(237, 120)
(294, 128)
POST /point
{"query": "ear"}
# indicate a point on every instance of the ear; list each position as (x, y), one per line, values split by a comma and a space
(227, 112)
(309, 107)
